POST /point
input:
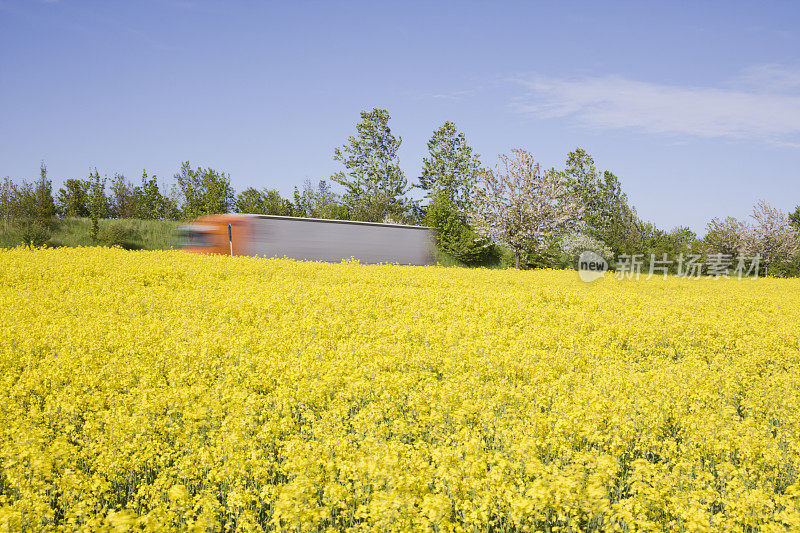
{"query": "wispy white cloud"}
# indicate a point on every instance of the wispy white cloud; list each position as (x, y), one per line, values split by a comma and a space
(764, 105)
(771, 78)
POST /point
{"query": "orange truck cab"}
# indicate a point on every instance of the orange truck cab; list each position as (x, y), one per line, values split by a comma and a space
(209, 235)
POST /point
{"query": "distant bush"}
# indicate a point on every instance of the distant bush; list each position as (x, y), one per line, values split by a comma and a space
(34, 234)
(547, 256)
(786, 269)
(118, 234)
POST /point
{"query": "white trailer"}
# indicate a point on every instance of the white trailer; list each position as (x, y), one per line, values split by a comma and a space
(311, 239)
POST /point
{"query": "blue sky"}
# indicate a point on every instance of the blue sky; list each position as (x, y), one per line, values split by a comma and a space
(694, 105)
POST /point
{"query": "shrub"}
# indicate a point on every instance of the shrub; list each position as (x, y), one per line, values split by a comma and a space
(546, 256)
(454, 235)
(34, 234)
(117, 234)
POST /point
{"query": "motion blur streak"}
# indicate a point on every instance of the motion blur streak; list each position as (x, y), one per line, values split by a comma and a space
(310, 239)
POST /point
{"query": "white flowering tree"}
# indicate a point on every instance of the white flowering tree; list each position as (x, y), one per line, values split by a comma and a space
(518, 205)
(575, 243)
(771, 235)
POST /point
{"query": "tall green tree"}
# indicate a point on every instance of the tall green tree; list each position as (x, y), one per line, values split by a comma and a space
(375, 186)
(451, 166)
(32, 212)
(45, 210)
(251, 200)
(449, 174)
(204, 191)
(151, 201)
(263, 202)
(26, 203)
(607, 215)
(453, 235)
(683, 241)
(319, 201)
(124, 198)
(275, 204)
(73, 199)
(9, 202)
(98, 202)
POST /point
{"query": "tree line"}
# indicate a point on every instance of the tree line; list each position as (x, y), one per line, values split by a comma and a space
(540, 217)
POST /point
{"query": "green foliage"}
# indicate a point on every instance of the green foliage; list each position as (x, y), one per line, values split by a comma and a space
(794, 218)
(118, 233)
(9, 202)
(44, 205)
(72, 199)
(656, 243)
(251, 200)
(204, 191)
(18, 203)
(34, 234)
(494, 257)
(26, 201)
(374, 184)
(454, 236)
(130, 233)
(152, 204)
(415, 213)
(606, 213)
(786, 269)
(170, 208)
(98, 203)
(263, 202)
(374, 190)
(277, 205)
(31, 208)
(548, 256)
(450, 167)
(124, 201)
(682, 240)
(319, 202)
(724, 236)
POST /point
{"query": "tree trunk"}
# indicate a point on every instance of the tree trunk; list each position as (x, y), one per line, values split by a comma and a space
(516, 259)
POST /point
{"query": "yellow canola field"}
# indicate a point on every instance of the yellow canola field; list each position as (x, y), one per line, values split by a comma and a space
(163, 390)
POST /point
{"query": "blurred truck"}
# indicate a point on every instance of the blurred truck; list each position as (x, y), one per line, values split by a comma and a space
(310, 239)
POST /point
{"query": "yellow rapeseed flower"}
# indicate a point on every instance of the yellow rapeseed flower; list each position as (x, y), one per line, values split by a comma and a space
(163, 390)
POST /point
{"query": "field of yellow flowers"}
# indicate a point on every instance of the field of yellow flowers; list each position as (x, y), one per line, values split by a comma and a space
(163, 390)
